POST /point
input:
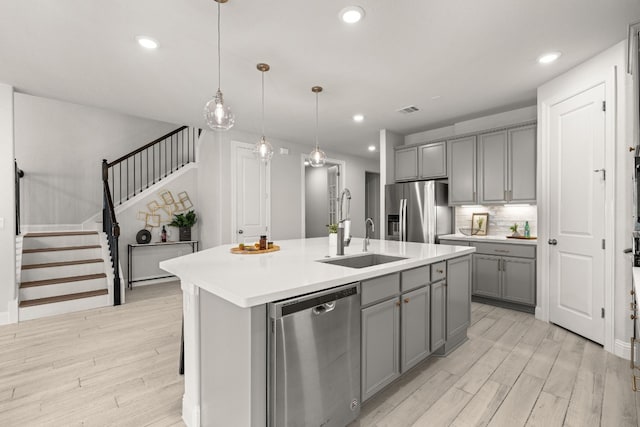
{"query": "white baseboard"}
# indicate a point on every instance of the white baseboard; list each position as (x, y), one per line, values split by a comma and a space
(622, 349)
(4, 318)
(190, 412)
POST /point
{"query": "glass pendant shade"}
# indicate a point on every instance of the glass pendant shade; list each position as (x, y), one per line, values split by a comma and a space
(317, 157)
(217, 115)
(263, 150)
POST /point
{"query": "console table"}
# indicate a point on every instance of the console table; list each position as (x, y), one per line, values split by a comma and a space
(132, 246)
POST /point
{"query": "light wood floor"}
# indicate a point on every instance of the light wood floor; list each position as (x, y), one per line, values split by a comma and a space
(118, 366)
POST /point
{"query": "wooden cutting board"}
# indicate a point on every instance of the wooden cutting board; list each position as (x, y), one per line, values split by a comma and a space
(246, 251)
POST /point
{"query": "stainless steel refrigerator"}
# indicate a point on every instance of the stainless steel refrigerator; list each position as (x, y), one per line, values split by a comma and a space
(418, 211)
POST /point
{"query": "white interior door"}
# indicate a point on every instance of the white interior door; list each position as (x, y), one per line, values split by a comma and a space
(577, 222)
(250, 190)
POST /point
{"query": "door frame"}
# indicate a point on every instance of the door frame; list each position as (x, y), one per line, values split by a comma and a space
(583, 78)
(234, 186)
(303, 191)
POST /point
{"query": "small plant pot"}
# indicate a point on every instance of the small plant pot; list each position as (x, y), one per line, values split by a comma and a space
(185, 234)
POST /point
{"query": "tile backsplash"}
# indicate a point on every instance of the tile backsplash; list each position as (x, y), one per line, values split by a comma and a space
(500, 218)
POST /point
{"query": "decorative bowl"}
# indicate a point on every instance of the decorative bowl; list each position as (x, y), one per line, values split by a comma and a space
(468, 231)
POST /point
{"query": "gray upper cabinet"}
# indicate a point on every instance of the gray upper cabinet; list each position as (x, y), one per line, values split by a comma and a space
(462, 171)
(458, 297)
(492, 168)
(415, 327)
(438, 314)
(380, 344)
(522, 164)
(432, 160)
(406, 164)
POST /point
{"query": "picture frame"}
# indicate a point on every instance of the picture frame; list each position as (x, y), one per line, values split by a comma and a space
(480, 221)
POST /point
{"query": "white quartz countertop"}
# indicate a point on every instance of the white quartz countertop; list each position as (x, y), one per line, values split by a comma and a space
(490, 239)
(254, 279)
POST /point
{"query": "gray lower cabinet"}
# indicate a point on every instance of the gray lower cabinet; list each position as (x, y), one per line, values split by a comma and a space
(380, 343)
(486, 275)
(508, 278)
(415, 327)
(438, 314)
(458, 298)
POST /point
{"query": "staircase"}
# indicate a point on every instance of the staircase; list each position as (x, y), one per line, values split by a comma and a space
(62, 272)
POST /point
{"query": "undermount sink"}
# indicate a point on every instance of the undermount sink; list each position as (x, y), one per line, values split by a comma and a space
(362, 261)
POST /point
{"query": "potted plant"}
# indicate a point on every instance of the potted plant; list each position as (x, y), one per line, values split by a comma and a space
(184, 222)
(514, 230)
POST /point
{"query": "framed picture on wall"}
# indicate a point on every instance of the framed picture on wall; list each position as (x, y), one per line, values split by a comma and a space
(480, 222)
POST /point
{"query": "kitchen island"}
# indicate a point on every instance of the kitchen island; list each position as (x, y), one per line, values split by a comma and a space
(225, 299)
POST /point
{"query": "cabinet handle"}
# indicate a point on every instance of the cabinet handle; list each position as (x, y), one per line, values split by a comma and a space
(634, 387)
(440, 271)
(633, 355)
(406, 300)
(632, 292)
(633, 306)
(633, 317)
(397, 303)
(499, 262)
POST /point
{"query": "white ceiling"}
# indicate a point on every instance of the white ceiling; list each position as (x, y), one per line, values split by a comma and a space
(478, 55)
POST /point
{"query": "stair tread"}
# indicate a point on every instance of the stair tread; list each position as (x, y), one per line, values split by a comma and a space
(61, 233)
(61, 263)
(61, 298)
(59, 280)
(59, 248)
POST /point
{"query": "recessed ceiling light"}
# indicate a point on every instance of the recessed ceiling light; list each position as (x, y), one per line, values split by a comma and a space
(372, 148)
(358, 118)
(147, 42)
(548, 58)
(352, 14)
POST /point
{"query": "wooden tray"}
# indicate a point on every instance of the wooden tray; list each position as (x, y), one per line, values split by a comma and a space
(522, 237)
(244, 251)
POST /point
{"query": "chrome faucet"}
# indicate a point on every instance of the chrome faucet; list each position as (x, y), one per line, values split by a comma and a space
(344, 221)
(365, 242)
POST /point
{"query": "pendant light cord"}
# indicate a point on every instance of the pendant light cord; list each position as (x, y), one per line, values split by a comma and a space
(263, 104)
(218, 46)
(316, 121)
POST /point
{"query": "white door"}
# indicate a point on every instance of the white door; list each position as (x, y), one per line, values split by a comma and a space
(250, 189)
(577, 226)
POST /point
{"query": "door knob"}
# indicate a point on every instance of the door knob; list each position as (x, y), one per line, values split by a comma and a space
(240, 231)
(553, 242)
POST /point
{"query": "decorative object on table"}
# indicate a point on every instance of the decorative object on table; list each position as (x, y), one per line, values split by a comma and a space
(481, 222)
(263, 242)
(217, 115)
(161, 211)
(184, 222)
(143, 237)
(527, 229)
(317, 158)
(245, 249)
(514, 230)
(263, 150)
(469, 231)
(163, 234)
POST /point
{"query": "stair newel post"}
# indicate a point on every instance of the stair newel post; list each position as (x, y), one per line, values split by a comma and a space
(117, 299)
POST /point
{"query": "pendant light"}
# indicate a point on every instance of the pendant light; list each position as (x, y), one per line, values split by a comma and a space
(263, 150)
(317, 158)
(217, 115)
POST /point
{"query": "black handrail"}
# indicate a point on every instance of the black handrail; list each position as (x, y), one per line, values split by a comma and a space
(111, 227)
(143, 167)
(19, 174)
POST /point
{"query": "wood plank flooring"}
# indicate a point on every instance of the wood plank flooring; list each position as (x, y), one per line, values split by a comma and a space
(119, 366)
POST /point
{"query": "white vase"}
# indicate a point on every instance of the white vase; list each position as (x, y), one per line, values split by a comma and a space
(333, 243)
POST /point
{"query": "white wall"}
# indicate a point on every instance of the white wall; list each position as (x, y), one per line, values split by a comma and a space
(287, 182)
(60, 146)
(7, 207)
(146, 259)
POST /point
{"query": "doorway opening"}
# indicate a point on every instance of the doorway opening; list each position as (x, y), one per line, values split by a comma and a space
(322, 187)
(372, 201)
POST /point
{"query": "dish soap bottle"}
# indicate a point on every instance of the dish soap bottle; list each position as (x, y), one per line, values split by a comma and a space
(527, 230)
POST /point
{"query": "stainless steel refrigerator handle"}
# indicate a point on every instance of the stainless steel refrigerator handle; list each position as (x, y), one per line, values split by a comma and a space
(404, 222)
(401, 219)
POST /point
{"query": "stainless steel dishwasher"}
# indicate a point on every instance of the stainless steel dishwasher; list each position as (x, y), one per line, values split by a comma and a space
(314, 359)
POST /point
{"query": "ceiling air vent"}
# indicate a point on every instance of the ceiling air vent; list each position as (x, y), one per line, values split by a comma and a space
(408, 110)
